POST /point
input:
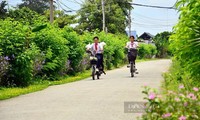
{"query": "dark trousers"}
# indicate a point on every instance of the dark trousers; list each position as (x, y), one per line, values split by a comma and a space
(100, 61)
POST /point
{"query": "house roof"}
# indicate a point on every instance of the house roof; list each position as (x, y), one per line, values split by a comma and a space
(146, 36)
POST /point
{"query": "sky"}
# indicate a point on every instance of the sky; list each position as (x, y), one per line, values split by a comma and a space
(152, 20)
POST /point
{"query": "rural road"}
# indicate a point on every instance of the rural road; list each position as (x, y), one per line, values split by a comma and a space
(87, 99)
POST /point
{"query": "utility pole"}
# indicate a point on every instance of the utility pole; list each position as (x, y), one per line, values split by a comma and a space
(51, 11)
(103, 12)
(129, 26)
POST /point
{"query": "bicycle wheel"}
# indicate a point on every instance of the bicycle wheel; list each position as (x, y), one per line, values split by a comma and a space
(132, 70)
(93, 72)
(98, 76)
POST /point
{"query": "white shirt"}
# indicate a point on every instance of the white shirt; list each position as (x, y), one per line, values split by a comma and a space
(133, 45)
(99, 48)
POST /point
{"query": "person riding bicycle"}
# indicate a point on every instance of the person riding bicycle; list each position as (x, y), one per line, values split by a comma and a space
(131, 45)
(97, 49)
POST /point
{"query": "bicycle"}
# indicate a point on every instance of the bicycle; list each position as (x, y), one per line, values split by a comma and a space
(132, 56)
(95, 71)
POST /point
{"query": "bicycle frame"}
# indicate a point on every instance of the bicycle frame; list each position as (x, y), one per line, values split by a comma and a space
(93, 62)
(133, 53)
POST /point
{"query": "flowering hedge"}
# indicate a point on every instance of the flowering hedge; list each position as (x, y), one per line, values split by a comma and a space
(180, 105)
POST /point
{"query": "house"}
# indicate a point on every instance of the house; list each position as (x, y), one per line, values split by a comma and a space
(147, 37)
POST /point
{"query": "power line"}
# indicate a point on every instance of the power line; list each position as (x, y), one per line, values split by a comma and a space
(152, 28)
(152, 21)
(152, 6)
(151, 18)
(147, 26)
(75, 1)
(175, 3)
(62, 7)
(154, 25)
(66, 6)
(78, 2)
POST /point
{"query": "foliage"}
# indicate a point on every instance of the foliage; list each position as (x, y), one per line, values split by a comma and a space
(115, 12)
(44, 52)
(54, 47)
(184, 74)
(31, 49)
(182, 105)
(114, 50)
(26, 16)
(76, 48)
(4, 67)
(61, 18)
(38, 6)
(185, 40)
(3, 10)
(146, 51)
(48, 51)
(162, 43)
(14, 43)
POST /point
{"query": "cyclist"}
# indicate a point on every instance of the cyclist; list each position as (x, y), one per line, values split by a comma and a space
(97, 49)
(131, 45)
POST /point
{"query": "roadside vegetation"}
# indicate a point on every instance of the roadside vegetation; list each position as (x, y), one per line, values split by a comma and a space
(180, 98)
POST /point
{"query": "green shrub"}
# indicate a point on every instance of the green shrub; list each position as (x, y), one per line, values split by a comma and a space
(31, 48)
(146, 50)
(76, 49)
(185, 40)
(55, 49)
(162, 43)
(15, 44)
(4, 63)
(44, 52)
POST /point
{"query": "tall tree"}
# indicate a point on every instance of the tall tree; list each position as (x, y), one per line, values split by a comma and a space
(36, 5)
(3, 10)
(116, 15)
(61, 18)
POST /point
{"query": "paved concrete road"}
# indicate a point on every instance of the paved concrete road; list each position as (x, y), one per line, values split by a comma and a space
(87, 100)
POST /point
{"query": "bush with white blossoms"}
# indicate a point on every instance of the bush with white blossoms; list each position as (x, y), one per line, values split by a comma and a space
(183, 104)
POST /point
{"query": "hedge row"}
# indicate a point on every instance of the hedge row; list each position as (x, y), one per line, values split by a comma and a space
(48, 52)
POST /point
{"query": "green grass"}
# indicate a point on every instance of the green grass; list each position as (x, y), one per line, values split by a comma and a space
(6, 93)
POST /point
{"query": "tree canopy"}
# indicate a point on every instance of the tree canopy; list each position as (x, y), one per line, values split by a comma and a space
(116, 15)
(38, 6)
(61, 18)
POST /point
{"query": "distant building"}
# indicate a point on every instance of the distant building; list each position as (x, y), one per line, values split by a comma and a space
(133, 33)
(147, 37)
